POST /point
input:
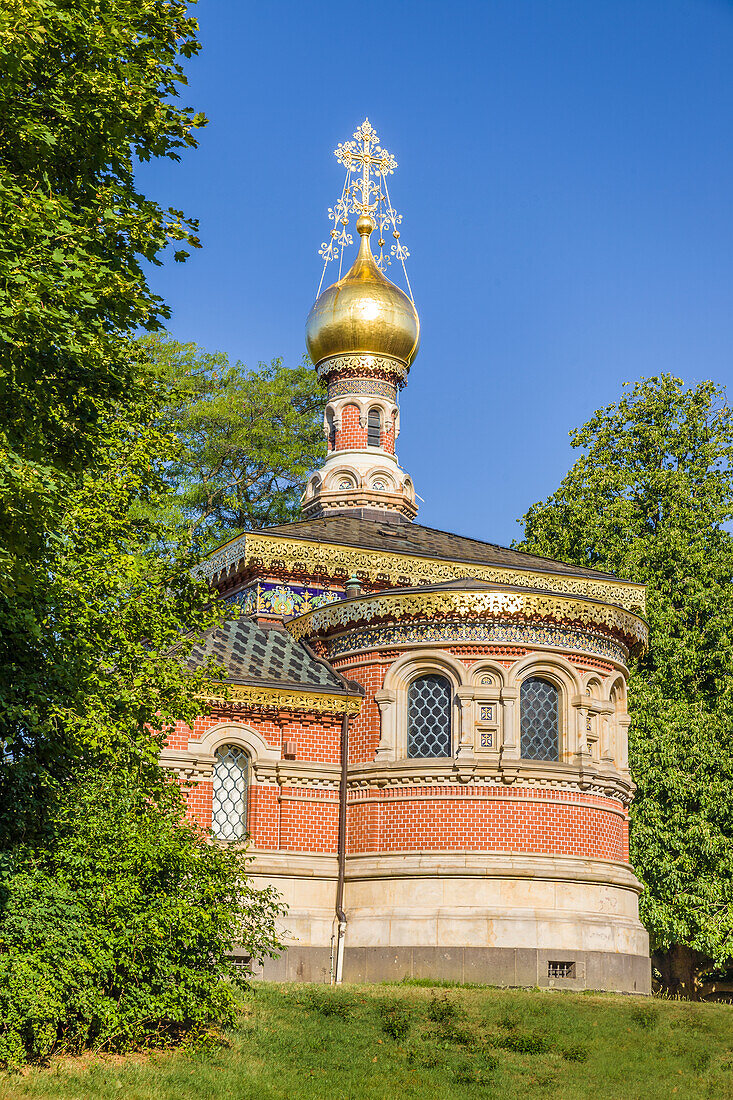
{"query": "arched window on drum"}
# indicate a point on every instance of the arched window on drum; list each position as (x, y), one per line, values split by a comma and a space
(429, 726)
(539, 707)
(374, 428)
(230, 793)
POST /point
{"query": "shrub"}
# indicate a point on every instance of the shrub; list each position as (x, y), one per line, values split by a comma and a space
(522, 1043)
(441, 1008)
(329, 1004)
(115, 933)
(395, 1019)
(645, 1015)
(575, 1053)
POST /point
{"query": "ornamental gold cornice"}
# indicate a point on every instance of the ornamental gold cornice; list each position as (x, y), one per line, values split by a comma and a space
(406, 570)
(266, 698)
(456, 605)
(366, 365)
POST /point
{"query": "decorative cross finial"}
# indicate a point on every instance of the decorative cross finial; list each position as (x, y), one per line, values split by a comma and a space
(365, 192)
(366, 156)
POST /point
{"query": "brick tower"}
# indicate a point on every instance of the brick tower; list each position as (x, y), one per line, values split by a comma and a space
(363, 333)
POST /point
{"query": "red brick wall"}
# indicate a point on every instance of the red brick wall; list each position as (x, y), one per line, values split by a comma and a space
(315, 739)
(449, 818)
(428, 818)
(351, 436)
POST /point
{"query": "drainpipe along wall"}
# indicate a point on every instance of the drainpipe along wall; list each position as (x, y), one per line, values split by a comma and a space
(338, 967)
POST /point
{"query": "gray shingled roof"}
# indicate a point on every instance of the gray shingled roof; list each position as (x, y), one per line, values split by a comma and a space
(412, 538)
(266, 655)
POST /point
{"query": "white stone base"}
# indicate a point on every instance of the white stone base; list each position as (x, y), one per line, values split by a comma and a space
(464, 914)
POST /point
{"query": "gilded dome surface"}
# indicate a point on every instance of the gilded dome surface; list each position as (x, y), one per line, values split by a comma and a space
(363, 313)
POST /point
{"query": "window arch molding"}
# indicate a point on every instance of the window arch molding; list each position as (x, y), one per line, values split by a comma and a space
(563, 676)
(235, 733)
(392, 698)
(482, 670)
(335, 476)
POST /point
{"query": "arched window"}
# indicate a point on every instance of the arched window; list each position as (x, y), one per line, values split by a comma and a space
(539, 702)
(429, 717)
(231, 783)
(331, 431)
(374, 428)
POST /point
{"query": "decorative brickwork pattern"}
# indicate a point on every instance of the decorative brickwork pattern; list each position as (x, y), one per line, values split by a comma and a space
(468, 818)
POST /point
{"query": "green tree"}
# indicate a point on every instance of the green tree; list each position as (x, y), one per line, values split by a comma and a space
(116, 915)
(651, 499)
(88, 88)
(119, 933)
(247, 438)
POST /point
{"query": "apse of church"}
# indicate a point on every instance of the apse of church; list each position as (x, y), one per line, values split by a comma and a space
(425, 737)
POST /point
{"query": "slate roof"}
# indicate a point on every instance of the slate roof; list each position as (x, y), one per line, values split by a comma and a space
(266, 655)
(412, 538)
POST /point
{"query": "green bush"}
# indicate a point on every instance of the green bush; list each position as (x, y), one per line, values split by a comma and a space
(575, 1053)
(522, 1043)
(395, 1019)
(440, 1008)
(116, 931)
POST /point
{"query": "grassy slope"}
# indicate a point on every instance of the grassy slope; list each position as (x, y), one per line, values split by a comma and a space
(370, 1043)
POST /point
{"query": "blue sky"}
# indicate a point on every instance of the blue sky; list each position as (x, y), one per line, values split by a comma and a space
(566, 180)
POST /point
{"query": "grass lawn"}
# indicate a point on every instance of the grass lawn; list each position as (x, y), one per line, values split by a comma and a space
(403, 1041)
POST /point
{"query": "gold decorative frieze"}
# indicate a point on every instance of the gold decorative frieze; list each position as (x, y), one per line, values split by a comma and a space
(371, 366)
(471, 605)
(271, 698)
(407, 570)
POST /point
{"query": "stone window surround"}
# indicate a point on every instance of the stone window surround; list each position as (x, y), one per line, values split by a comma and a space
(389, 412)
(592, 726)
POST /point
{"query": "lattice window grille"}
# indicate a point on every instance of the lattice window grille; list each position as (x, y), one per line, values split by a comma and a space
(231, 782)
(374, 428)
(429, 717)
(540, 720)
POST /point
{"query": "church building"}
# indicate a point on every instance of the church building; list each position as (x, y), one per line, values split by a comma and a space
(425, 737)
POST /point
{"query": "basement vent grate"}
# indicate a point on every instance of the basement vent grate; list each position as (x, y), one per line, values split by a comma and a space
(561, 970)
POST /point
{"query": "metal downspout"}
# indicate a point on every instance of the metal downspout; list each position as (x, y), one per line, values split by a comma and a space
(340, 914)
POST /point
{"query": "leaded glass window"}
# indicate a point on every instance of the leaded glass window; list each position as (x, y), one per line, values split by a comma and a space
(429, 717)
(374, 428)
(231, 780)
(540, 719)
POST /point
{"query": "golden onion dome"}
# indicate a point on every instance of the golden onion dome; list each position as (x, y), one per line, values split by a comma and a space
(363, 313)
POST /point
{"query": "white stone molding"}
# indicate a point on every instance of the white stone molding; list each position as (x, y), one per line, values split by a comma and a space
(393, 734)
(235, 733)
(530, 775)
(566, 678)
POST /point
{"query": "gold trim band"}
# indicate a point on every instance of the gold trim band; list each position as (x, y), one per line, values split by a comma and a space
(405, 570)
(280, 699)
(471, 605)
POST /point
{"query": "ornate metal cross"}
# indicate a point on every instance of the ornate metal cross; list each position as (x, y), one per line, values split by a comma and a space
(365, 192)
(366, 156)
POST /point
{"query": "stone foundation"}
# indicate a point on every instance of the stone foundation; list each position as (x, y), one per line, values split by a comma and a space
(493, 918)
(496, 966)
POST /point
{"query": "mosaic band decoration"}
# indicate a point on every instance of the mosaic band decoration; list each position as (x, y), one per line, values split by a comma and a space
(279, 699)
(281, 600)
(472, 605)
(498, 633)
(374, 387)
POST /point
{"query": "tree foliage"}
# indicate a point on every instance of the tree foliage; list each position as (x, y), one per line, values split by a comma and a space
(119, 934)
(88, 87)
(247, 438)
(651, 499)
(115, 915)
